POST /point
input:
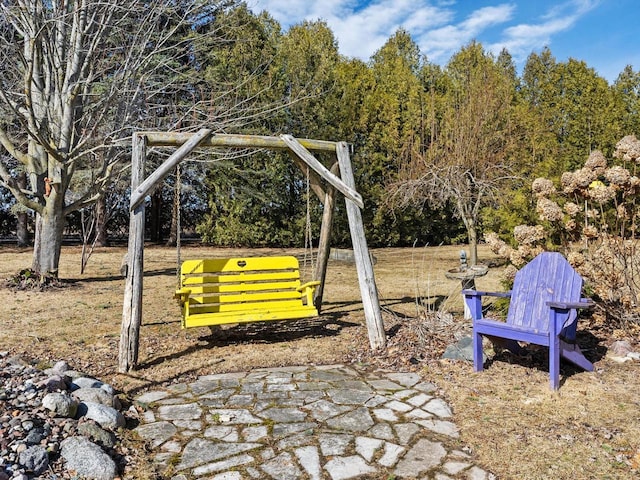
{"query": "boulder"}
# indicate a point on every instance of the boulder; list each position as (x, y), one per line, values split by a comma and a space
(96, 434)
(106, 417)
(85, 382)
(87, 459)
(55, 382)
(96, 395)
(62, 404)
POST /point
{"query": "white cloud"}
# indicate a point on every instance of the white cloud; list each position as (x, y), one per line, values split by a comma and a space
(365, 31)
(441, 43)
(520, 40)
(362, 30)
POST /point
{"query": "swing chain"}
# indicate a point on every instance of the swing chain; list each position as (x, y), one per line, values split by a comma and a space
(177, 201)
(308, 235)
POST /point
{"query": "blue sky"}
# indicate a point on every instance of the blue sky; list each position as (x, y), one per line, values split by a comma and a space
(603, 33)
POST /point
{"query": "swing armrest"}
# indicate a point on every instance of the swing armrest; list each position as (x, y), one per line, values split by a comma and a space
(308, 285)
(182, 295)
(307, 290)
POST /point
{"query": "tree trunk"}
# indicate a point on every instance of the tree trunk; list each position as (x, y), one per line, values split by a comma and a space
(22, 232)
(48, 237)
(100, 210)
(22, 218)
(173, 231)
(472, 233)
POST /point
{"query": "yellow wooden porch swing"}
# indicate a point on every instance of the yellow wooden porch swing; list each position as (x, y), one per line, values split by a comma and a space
(219, 291)
(236, 290)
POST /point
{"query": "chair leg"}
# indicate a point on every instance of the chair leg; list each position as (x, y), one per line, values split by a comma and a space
(572, 352)
(554, 362)
(477, 352)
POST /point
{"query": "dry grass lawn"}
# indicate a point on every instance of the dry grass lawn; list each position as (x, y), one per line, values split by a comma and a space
(515, 426)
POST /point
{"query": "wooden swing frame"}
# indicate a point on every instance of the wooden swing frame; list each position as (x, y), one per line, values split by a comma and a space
(302, 156)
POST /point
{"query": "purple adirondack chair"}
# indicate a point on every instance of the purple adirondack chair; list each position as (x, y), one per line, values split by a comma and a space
(542, 310)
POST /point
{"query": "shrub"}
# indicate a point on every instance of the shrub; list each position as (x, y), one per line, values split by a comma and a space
(593, 219)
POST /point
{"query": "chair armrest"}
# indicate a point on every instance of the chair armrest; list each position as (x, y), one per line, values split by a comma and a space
(559, 325)
(473, 301)
(182, 295)
(307, 291)
(308, 285)
(571, 305)
(478, 293)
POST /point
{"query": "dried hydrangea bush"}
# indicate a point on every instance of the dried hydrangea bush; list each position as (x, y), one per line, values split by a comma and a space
(592, 217)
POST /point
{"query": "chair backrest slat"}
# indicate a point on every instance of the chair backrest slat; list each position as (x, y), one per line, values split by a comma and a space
(548, 277)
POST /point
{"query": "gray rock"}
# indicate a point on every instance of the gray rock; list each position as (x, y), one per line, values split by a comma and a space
(463, 350)
(282, 467)
(105, 416)
(62, 404)
(34, 458)
(61, 367)
(55, 382)
(190, 411)
(440, 426)
(35, 436)
(150, 397)
(350, 397)
(358, 420)
(108, 388)
(87, 459)
(334, 444)
(16, 362)
(423, 456)
(85, 382)
(406, 431)
(96, 434)
(156, 433)
(323, 410)
(199, 451)
(438, 407)
(226, 464)
(405, 379)
(342, 468)
(309, 458)
(96, 395)
(284, 415)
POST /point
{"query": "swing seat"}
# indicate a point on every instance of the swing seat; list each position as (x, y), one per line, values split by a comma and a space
(240, 290)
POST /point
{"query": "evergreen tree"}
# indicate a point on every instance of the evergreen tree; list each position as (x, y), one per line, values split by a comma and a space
(470, 159)
(627, 93)
(394, 110)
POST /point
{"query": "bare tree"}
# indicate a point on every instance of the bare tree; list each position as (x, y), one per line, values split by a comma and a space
(469, 159)
(73, 75)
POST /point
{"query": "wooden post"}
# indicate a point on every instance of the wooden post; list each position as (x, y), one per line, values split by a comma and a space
(310, 160)
(324, 244)
(145, 187)
(314, 178)
(364, 266)
(132, 307)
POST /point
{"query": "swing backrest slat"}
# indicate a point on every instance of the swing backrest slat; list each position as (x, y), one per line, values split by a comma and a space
(247, 289)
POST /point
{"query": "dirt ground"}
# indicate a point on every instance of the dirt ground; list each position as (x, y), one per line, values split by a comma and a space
(515, 426)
